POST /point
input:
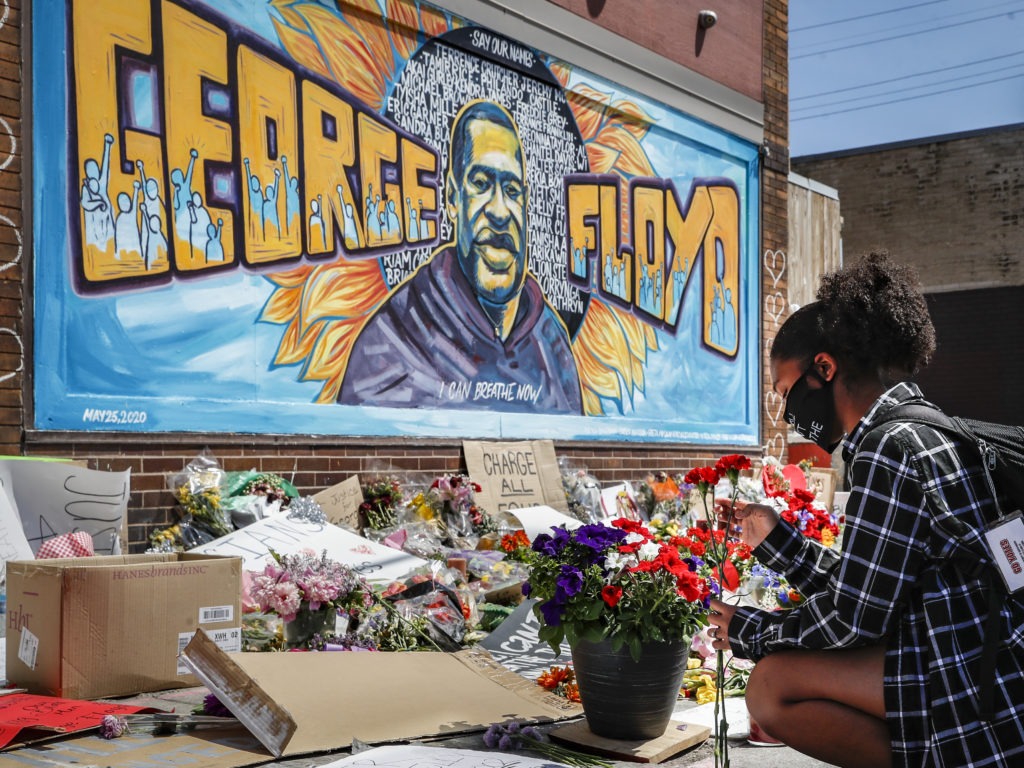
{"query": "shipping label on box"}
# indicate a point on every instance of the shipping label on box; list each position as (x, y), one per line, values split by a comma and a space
(108, 626)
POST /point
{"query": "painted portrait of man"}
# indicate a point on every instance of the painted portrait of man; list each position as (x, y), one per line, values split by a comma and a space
(471, 328)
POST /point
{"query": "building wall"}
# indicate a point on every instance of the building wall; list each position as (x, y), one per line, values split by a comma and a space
(953, 206)
(729, 52)
(316, 462)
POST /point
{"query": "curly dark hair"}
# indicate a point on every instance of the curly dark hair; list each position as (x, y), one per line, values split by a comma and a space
(870, 316)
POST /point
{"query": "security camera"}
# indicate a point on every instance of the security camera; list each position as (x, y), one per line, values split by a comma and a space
(707, 19)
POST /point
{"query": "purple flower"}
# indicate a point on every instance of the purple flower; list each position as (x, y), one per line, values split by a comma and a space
(113, 727)
(505, 742)
(551, 545)
(599, 537)
(552, 613)
(569, 583)
(213, 706)
(527, 589)
(492, 735)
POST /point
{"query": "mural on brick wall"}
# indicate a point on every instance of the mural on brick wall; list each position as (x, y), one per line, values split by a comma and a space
(375, 218)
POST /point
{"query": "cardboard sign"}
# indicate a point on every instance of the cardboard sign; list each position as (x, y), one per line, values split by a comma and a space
(515, 474)
(541, 519)
(341, 503)
(375, 562)
(420, 756)
(224, 747)
(516, 646)
(283, 701)
(25, 711)
(54, 497)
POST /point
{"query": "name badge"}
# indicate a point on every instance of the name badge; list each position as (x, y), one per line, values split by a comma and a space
(1005, 542)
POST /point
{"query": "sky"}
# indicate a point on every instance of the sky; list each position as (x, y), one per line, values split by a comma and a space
(879, 71)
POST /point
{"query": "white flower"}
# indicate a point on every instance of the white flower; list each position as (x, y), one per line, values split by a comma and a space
(633, 537)
(649, 551)
(614, 561)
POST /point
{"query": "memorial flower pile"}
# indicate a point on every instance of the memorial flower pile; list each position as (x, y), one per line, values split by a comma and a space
(614, 581)
(810, 517)
(304, 581)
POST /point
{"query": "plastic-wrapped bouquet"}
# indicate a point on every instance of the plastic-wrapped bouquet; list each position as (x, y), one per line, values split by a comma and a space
(305, 581)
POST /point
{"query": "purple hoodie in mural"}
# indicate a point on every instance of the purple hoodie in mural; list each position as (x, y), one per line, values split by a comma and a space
(430, 345)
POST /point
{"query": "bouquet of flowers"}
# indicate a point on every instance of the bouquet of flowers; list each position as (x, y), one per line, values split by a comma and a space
(665, 497)
(616, 582)
(306, 582)
(381, 500)
(810, 517)
(459, 511)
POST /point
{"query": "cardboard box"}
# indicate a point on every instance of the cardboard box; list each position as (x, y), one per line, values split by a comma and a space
(300, 703)
(92, 627)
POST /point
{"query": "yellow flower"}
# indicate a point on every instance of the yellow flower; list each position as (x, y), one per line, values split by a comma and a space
(827, 537)
(707, 692)
(693, 663)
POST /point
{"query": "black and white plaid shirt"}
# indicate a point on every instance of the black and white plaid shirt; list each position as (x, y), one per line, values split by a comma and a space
(901, 580)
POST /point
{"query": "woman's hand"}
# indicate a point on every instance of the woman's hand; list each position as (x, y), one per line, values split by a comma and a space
(747, 521)
(719, 618)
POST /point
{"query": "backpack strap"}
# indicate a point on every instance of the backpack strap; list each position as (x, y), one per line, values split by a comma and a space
(919, 412)
(968, 563)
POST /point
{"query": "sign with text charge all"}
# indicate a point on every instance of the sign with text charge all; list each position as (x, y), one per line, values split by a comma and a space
(515, 474)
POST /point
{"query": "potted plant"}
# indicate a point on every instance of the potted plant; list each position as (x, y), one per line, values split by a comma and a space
(628, 606)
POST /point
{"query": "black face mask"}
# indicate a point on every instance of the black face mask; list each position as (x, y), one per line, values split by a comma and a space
(812, 412)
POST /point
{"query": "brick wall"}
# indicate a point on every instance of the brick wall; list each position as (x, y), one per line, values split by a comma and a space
(315, 462)
(13, 339)
(774, 208)
(953, 206)
(729, 53)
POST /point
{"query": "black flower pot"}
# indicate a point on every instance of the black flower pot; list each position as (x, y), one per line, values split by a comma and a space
(627, 699)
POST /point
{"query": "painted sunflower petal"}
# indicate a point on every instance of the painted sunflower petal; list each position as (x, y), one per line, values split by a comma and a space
(403, 24)
(352, 64)
(282, 306)
(301, 47)
(342, 290)
(433, 21)
(632, 160)
(602, 159)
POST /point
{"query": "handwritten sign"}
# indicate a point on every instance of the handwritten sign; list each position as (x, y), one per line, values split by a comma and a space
(341, 502)
(515, 474)
(516, 645)
(53, 498)
(375, 562)
(13, 544)
(22, 711)
(540, 519)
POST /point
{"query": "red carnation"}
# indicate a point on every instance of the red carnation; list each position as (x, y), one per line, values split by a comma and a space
(611, 595)
(734, 462)
(703, 478)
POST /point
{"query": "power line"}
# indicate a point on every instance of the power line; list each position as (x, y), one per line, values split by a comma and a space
(899, 90)
(797, 48)
(899, 37)
(866, 15)
(908, 98)
(907, 77)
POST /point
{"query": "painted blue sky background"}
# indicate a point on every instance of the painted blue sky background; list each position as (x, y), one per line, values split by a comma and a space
(880, 71)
